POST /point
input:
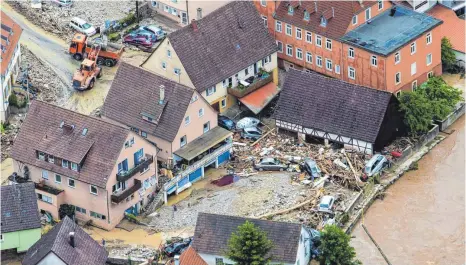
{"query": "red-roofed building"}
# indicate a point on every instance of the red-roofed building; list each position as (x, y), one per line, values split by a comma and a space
(189, 257)
(10, 59)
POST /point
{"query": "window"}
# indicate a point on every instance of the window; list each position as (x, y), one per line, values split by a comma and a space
(219, 261)
(380, 4)
(280, 46)
(224, 103)
(308, 57)
(41, 156)
(177, 71)
(307, 16)
(57, 178)
(194, 98)
(414, 85)
(210, 90)
(64, 163)
(413, 68)
(131, 141)
(225, 83)
(308, 37)
(164, 66)
(319, 61)
(183, 141)
(206, 127)
(318, 40)
(266, 60)
(329, 64)
(430, 74)
(351, 73)
(397, 78)
(144, 134)
(93, 189)
(351, 53)
(278, 26)
(71, 183)
(323, 21)
(169, 54)
(368, 14)
(290, 10)
(288, 30)
(98, 215)
(154, 3)
(429, 59)
(1, 238)
(51, 159)
(263, 3)
(201, 112)
(299, 34)
(246, 71)
(289, 50)
(397, 57)
(413, 48)
(355, 20)
(429, 38)
(264, 20)
(398, 94)
(299, 53)
(44, 198)
(328, 44)
(374, 60)
(80, 210)
(45, 174)
(337, 69)
(187, 120)
(74, 166)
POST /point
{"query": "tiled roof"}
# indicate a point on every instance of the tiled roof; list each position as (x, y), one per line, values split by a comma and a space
(86, 250)
(191, 257)
(331, 105)
(213, 232)
(227, 41)
(135, 90)
(42, 128)
(453, 27)
(336, 25)
(19, 208)
(12, 32)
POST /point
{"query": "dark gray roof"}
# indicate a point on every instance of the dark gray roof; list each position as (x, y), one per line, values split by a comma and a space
(19, 208)
(41, 131)
(213, 232)
(386, 34)
(135, 91)
(331, 105)
(227, 41)
(86, 250)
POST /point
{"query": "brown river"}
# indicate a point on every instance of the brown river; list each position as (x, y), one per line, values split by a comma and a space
(422, 218)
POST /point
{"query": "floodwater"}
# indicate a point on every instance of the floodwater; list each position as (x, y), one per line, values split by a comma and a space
(135, 237)
(422, 218)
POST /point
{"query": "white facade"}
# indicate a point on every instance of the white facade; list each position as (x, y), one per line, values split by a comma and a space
(8, 80)
(51, 259)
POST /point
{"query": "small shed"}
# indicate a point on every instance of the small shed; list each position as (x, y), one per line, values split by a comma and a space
(363, 118)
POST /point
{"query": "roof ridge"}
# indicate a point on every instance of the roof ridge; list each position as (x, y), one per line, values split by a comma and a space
(252, 218)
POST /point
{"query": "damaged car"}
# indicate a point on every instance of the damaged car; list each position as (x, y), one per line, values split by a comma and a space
(247, 122)
(270, 164)
(374, 166)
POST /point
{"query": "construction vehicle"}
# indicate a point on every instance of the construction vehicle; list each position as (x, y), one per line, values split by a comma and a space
(86, 75)
(109, 54)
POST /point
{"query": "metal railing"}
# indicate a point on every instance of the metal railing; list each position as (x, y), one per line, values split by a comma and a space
(120, 196)
(144, 163)
(257, 83)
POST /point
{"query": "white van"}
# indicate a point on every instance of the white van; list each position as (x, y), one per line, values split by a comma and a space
(82, 26)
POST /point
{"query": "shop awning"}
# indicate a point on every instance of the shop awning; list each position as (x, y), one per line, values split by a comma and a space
(258, 99)
(203, 143)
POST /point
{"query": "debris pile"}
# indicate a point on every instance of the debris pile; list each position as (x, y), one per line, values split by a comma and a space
(135, 252)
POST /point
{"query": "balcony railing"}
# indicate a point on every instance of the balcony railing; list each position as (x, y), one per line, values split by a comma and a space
(48, 189)
(258, 82)
(143, 164)
(122, 195)
(205, 160)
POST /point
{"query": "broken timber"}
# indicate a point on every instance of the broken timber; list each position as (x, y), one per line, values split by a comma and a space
(375, 243)
(313, 200)
(262, 137)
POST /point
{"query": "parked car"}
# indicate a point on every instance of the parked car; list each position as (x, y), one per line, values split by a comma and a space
(82, 26)
(226, 122)
(247, 122)
(157, 31)
(61, 3)
(270, 164)
(326, 204)
(374, 166)
(139, 39)
(252, 133)
(312, 168)
(177, 248)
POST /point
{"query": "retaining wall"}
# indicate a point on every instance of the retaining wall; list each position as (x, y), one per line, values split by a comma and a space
(408, 151)
(451, 118)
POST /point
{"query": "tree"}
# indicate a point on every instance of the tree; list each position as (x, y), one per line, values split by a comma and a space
(448, 55)
(443, 97)
(335, 247)
(418, 111)
(249, 245)
(66, 210)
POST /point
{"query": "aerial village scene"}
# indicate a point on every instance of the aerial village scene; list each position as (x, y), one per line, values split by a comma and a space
(194, 132)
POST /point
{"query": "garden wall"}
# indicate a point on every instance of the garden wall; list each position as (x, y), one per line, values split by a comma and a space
(424, 139)
(451, 118)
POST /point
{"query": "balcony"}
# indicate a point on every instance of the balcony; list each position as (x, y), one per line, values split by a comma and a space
(141, 167)
(250, 85)
(122, 195)
(43, 187)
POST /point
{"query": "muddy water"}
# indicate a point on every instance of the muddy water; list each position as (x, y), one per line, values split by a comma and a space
(421, 220)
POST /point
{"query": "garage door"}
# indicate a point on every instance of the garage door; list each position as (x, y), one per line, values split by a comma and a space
(183, 182)
(224, 157)
(195, 175)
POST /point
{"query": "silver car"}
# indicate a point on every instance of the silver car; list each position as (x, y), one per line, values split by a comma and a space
(270, 164)
(326, 204)
(247, 122)
(252, 133)
(375, 165)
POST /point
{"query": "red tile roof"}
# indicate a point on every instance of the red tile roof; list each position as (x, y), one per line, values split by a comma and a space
(12, 40)
(453, 27)
(191, 257)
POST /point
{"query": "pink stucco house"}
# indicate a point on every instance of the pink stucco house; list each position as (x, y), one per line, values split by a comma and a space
(174, 118)
(104, 170)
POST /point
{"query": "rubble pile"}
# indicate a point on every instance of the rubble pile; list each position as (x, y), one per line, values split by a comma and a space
(9, 135)
(137, 252)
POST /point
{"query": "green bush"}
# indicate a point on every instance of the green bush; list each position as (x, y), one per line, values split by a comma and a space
(114, 36)
(13, 100)
(128, 20)
(448, 55)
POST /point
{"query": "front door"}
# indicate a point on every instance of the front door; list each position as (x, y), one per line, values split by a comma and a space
(138, 156)
(216, 106)
(255, 69)
(184, 18)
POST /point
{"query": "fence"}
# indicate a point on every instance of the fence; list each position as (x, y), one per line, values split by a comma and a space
(429, 136)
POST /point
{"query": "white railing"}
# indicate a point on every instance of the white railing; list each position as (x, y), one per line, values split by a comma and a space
(190, 169)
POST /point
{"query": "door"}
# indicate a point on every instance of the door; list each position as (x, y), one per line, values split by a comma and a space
(123, 166)
(184, 18)
(255, 68)
(216, 106)
(138, 156)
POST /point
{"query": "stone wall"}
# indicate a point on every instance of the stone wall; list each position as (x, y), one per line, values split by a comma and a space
(451, 118)
(408, 151)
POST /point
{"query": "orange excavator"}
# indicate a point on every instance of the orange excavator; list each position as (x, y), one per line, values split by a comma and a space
(109, 54)
(84, 78)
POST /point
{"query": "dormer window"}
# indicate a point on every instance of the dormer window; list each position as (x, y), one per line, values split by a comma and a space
(64, 163)
(290, 10)
(323, 21)
(307, 16)
(41, 156)
(74, 166)
(51, 159)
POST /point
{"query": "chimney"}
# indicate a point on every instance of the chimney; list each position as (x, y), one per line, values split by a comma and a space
(199, 13)
(177, 259)
(392, 11)
(162, 94)
(72, 243)
(194, 24)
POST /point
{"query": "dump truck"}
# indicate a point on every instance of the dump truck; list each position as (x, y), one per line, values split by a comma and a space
(84, 78)
(109, 54)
